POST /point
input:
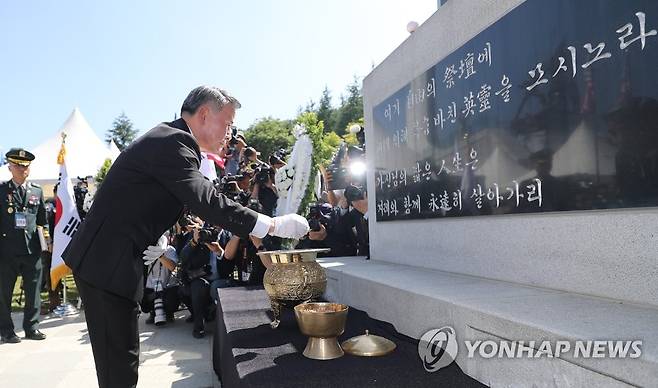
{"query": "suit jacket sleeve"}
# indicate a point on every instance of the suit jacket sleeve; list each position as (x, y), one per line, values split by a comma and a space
(176, 168)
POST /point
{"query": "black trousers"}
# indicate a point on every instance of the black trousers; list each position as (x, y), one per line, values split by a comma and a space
(196, 297)
(30, 268)
(113, 332)
(170, 299)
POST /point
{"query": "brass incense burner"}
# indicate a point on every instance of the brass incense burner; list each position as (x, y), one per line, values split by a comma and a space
(322, 323)
(293, 278)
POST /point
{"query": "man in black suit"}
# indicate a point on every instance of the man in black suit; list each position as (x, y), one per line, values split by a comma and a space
(141, 197)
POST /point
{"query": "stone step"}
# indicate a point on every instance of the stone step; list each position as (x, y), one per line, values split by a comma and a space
(416, 299)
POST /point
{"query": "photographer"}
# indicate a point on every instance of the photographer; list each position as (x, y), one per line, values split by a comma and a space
(232, 151)
(276, 160)
(240, 253)
(346, 168)
(357, 218)
(264, 190)
(250, 156)
(227, 262)
(200, 274)
(330, 228)
(81, 194)
(161, 290)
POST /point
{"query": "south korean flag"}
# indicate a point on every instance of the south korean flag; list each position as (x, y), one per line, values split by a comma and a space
(67, 221)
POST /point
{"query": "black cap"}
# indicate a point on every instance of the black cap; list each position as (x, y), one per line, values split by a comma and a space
(20, 156)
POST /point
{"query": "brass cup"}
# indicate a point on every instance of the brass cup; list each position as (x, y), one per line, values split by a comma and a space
(322, 323)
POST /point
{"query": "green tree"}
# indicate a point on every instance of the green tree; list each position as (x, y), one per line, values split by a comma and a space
(122, 132)
(325, 111)
(351, 108)
(267, 135)
(102, 172)
(310, 107)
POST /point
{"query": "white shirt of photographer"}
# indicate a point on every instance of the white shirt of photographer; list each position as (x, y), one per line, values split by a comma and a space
(159, 277)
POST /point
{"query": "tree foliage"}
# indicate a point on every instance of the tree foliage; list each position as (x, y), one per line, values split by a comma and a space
(325, 110)
(351, 108)
(102, 172)
(267, 135)
(122, 132)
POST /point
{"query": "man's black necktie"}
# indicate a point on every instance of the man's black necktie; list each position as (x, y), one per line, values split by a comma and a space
(21, 193)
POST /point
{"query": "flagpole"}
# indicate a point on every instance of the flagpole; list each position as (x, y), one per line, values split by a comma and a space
(65, 308)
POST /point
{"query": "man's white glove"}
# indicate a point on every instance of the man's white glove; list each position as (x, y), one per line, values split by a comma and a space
(290, 226)
(153, 252)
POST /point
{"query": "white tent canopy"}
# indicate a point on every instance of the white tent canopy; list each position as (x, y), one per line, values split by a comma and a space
(114, 150)
(85, 152)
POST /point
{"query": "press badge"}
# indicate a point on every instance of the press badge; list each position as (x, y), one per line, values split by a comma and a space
(21, 220)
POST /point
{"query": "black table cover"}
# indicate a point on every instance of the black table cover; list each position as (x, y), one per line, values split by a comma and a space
(248, 353)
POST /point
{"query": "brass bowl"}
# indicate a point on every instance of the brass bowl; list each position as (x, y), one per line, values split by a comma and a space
(322, 323)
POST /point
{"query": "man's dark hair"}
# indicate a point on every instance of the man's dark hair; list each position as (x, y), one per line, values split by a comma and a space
(203, 94)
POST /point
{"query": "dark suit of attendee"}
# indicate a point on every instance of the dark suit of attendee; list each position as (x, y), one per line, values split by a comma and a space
(22, 209)
(143, 195)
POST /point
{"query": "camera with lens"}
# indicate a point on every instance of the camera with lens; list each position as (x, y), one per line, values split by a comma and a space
(185, 220)
(319, 214)
(160, 318)
(253, 204)
(354, 193)
(208, 234)
(226, 185)
(263, 173)
(152, 301)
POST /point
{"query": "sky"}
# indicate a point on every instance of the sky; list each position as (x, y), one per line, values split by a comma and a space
(143, 57)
